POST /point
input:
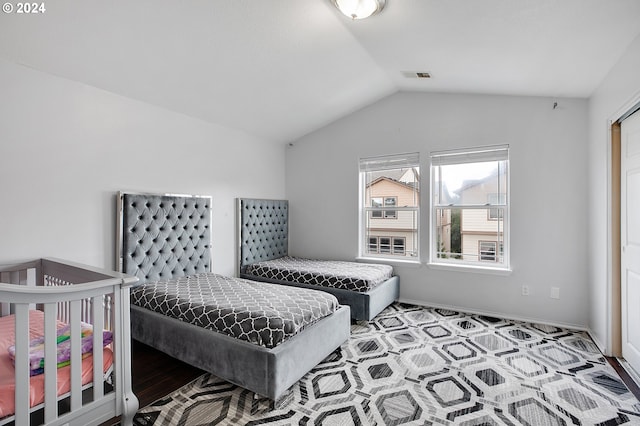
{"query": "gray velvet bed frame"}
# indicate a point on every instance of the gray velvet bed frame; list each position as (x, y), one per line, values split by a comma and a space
(263, 234)
(164, 237)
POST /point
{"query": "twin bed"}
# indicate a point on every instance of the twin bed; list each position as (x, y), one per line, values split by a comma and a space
(46, 305)
(263, 235)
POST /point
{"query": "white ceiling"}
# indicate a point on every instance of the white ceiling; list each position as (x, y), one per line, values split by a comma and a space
(279, 69)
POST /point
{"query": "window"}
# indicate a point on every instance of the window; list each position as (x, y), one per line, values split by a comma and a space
(389, 206)
(493, 199)
(398, 246)
(373, 244)
(383, 201)
(487, 251)
(395, 245)
(376, 202)
(470, 207)
(390, 202)
(385, 245)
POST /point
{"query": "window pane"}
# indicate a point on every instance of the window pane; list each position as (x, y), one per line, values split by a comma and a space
(466, 233)
(470, 184)
(448, 237)
(470, 206)
(373, 245)
(385, 245)
(496, 199)
(390, 206)
(487, 251)
(390, 202)
(376, 202)
(398, 246)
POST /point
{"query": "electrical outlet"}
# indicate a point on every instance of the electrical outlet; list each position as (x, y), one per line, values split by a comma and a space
(525, 290)
(555, 293)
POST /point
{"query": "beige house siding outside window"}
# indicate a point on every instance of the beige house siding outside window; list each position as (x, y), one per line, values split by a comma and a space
(482, 225)
(392, 224)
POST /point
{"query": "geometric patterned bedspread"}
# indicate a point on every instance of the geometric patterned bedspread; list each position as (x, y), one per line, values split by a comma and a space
(353, 276)
(260, 313)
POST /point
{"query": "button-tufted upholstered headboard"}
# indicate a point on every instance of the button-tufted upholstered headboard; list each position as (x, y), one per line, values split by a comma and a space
(164, 236)
(264, 230)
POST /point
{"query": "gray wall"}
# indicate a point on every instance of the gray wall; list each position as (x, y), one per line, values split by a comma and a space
(67, 148)
(548, 195)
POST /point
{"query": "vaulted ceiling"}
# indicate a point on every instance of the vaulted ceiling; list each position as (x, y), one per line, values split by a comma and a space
(279, 69)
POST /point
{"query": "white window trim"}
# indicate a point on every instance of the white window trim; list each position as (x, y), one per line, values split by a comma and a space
(461, 267)
(389, 260)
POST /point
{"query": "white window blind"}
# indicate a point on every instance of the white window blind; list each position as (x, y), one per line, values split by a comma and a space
(476, 155)
(387, 162)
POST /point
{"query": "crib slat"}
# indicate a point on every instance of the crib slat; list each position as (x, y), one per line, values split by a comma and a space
(76, 356)
(117, 346)
(22, 363)
(98, 326)
(51, 370)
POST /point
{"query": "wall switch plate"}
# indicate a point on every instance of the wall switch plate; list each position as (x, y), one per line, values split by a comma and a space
(525, 290)
(555, 293)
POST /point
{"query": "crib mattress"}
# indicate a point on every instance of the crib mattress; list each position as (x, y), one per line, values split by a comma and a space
(36, 389)
(353, 276)
(259, 313)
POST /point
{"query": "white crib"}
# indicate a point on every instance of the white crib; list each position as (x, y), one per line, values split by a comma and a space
(71, 293)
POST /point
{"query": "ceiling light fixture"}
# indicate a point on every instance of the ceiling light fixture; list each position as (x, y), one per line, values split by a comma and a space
(359, 9)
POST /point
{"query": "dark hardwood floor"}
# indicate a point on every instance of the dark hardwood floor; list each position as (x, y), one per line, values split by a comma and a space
(626, 378)
(155, 374)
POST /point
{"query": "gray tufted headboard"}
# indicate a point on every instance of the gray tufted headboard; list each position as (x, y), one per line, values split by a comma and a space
(263, 230)
(163, 236)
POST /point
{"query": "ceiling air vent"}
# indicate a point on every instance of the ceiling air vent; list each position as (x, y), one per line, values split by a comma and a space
(416, 74)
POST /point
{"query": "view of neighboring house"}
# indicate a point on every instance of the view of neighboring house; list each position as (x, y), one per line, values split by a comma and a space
(392, 231)
(482, 229)
(469, 220)
(468, 231)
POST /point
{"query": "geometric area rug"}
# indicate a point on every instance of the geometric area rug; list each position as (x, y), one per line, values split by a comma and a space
(415, 365)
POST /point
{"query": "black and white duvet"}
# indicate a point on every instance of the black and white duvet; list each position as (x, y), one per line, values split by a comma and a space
(360, 277)
(260, 313)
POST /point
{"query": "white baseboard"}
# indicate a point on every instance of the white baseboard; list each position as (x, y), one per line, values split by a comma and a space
(600, 346)
(497, 314)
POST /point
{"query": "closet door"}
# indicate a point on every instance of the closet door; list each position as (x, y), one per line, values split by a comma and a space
(630, 239)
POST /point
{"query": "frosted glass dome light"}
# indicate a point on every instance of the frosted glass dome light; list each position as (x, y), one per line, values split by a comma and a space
(359, 9)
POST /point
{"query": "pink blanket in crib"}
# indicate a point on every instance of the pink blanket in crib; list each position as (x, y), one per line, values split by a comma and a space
(36, 389)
